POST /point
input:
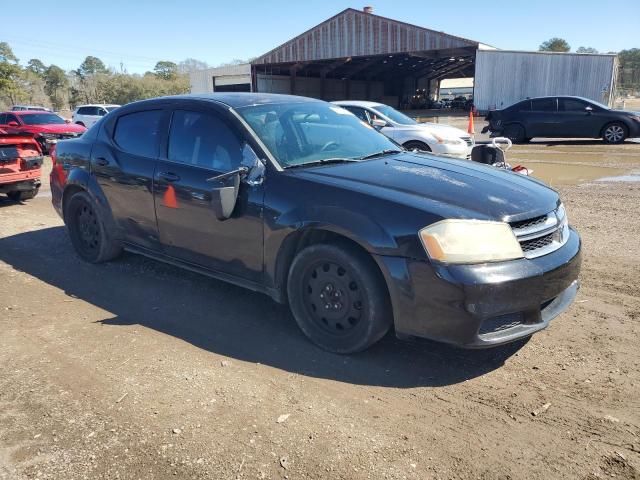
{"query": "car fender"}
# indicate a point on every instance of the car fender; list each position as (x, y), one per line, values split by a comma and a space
(80, 178)
(282, 239)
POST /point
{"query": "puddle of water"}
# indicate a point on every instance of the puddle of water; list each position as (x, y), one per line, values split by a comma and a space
(632, 177)
(567, 174)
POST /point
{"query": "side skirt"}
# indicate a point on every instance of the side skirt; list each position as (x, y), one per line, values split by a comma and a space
(274, 293)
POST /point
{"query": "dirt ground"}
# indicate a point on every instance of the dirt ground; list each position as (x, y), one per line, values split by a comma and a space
(138, 370)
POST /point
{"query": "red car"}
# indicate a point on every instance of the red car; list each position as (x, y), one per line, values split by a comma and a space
(46, 127)
(20, 162)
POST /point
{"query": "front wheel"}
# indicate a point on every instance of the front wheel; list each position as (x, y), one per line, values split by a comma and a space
(614, 133)
(420, 146)
(21, 196)
(338, 298)
(89, 237)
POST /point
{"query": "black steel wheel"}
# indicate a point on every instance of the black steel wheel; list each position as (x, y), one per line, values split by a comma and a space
(338, 298)
(86, 229)
(515, 133)
(614, 133)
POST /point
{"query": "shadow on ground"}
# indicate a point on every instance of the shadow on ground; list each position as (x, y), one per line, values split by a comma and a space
(232, 321)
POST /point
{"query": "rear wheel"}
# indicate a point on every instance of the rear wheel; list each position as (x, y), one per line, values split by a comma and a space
(515, 133)
(338, 298)
(614, 133)
(415, 145)
(91, 240)
(22, 195)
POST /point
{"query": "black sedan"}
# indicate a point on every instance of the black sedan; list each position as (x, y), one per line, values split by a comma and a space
(300, 200)
(563, 117)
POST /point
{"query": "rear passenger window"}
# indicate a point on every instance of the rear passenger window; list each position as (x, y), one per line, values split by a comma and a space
(3, 119)
(523, 106)
(544, 105)
(203, 140)
(138, 133)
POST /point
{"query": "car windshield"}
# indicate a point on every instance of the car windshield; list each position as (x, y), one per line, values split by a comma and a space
(395, 115)
(309, 133)
(42, 119)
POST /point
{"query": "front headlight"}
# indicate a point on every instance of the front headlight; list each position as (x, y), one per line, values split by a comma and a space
(447, 141)
(470, 241)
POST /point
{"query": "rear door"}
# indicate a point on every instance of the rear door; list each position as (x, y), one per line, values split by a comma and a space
(123, 160)
(204, 142)
(543, 119)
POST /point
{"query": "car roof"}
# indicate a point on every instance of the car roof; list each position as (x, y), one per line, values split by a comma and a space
(98, 105)
(239, 99)
(557, 96)
(358, 103)
(28, 112)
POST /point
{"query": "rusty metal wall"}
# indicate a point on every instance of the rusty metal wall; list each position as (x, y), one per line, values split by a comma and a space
(505, 77)
(355, 33)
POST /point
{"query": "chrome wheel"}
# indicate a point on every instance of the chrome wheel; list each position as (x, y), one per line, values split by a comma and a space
(614, 134)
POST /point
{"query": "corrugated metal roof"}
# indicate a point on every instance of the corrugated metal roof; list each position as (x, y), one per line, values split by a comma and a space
(354, 33)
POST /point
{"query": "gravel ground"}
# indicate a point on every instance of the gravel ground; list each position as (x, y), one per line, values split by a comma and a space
(138, 370)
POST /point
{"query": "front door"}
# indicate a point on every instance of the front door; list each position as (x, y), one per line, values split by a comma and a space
(203, 144)
(576, 120)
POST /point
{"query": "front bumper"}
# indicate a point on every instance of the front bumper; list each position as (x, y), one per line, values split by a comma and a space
(462, 151)
(477, 306)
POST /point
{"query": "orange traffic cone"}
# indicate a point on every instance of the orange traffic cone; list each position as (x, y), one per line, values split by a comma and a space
(470, 129)
(169, 198)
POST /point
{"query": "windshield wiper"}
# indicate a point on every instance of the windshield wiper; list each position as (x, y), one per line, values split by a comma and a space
(323, 162)
(381, 154)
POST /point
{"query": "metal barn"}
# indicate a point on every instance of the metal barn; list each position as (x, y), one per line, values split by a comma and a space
(359, 55)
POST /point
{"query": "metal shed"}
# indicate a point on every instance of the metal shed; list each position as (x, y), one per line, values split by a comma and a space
(231, 78)
(359, 55)
(503, 78)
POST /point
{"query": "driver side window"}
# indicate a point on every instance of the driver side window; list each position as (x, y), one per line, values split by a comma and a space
(203, 140)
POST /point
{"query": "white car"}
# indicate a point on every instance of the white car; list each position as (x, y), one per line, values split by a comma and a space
(88, 115)
(429, 137)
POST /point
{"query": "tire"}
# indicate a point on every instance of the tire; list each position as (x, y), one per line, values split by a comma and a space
(23, 195)
(515, 133)
(338, 298)
(614, 133)
(415, 145)
(91, 240)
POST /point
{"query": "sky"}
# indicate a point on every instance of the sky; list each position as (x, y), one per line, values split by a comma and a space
(138, 33)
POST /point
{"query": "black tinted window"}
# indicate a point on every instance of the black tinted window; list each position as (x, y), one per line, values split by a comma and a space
(203, 140)
(361, 113)
(571, 105)
(543, 105)
(12, 118)
(523, 106)
(3, 119)
(138, 133)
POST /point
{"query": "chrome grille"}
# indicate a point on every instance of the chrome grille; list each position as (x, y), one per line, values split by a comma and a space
(543, 234)
(468, 140)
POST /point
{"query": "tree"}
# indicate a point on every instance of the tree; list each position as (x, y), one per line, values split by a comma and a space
(191, 65)
(55, 81)
(36, 66)
(91, 66)
(555, 44)
(10, 74)
(166, 70)
(6, 54)
(586, 50)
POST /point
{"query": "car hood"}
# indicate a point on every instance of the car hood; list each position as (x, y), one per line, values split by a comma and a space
(447, 187)
(57, 128)
(445, 131)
